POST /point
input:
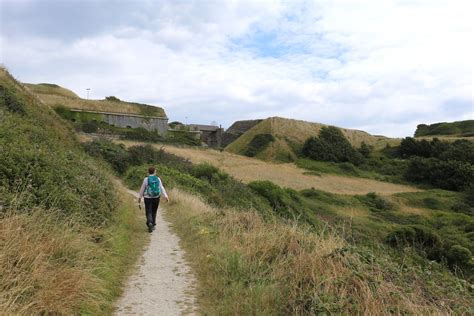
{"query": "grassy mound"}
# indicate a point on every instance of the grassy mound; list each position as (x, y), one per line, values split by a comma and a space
(51, 89)
(460, 128)
(290, 136)
(54, 95)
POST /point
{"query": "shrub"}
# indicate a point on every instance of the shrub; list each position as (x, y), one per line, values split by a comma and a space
(90, 126)
(376, 202)
(460, 150)
(401, 236)
(365, 150)
(458, 255)
(348, 167)
(415, 235)
(208, 172)
(331, 145)
(112, 98)
(258, 144)
(432, 203)
(114, 154)
(450, 175)
(11, 101)
(278, 198)
(142, 134)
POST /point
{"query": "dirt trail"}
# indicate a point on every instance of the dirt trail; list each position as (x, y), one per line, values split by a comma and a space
(162, 283)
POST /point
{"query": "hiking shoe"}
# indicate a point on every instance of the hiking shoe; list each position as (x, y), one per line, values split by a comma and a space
(150, 227)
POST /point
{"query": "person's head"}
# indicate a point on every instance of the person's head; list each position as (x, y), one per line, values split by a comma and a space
(151, 170)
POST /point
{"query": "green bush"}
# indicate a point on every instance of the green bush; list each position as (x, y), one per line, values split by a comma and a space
(113, 153)
(112, 98)
(208, 172)
(432, 203)
(259, 143)
(376, 202)
(365, 150)
(450, 175)
(141, 134)
(171, 178)
(331, 145)
(349, 168)
(90, 126)
(11, 101)
(458, 255)
(459, 150)
(415, 235)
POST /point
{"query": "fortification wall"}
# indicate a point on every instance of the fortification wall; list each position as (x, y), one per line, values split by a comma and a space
(151, 123)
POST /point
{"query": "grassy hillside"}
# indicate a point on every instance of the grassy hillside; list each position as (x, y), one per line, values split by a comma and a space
(65, 225)
(460, 129)
(289, 138)
(288, 175)
(55, 95)
(260, 248)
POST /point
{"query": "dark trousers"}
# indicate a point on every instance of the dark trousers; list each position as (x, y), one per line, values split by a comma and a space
(151, 207)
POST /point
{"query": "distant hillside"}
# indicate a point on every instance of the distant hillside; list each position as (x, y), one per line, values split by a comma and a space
(459, 128)
(55, 95)
(290, 136)
(236, 130)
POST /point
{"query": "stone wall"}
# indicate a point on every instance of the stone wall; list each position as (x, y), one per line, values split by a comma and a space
(151, 123)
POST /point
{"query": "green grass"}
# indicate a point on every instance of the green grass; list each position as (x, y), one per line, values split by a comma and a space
(123, 242)
(246, 265)
(315, 167)
(67, 237)
(460, 128)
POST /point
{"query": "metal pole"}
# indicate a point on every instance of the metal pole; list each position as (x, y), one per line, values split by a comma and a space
(88, 89)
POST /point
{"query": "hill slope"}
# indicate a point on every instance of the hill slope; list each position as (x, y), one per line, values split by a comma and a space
(55, 95)
(290, 136)
(57, 206)
(459, 128)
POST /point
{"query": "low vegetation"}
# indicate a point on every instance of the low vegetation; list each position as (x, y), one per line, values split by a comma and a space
(259, 143)
(54, 95)
(261, 248)
(248, 265)
(65, 225)
(460, 128)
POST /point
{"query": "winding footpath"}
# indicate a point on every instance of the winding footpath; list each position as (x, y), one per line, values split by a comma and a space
(162, 283)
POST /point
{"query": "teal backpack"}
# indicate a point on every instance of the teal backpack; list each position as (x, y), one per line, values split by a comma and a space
(153, 188)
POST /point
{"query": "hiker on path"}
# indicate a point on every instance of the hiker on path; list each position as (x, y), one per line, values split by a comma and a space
(152, 189)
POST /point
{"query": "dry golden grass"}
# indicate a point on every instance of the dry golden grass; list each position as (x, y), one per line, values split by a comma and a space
(45, 266)
(99, 105)
(50, 89)
(246, 265)
(285, 175)
(449, 138)
(50, 266)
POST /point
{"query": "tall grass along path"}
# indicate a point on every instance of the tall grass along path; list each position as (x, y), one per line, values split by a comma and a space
(162, 283)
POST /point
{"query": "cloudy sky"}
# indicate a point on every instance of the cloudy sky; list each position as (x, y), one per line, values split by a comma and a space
(383, 66)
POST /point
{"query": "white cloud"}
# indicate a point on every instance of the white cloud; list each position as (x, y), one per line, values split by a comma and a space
(384, 66)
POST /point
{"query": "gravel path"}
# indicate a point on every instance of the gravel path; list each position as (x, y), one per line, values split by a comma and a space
(162, 283)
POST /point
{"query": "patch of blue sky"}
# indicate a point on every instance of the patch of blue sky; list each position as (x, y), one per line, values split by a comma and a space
(268, 45)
